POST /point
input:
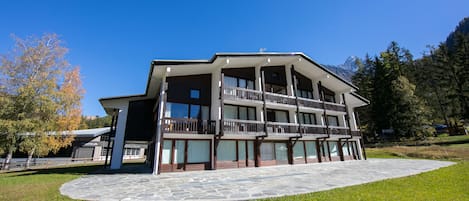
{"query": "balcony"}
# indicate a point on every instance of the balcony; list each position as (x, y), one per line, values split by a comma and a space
(246, 127)
(188, 126)
(254, 95)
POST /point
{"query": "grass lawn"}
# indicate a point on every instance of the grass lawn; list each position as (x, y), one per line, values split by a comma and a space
(449, 183)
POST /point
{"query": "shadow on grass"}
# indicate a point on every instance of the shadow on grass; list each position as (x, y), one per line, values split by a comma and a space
(83, 169)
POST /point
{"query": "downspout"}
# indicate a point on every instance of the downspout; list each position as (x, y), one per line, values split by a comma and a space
(342, 157)
(326, 121)
(159, 123)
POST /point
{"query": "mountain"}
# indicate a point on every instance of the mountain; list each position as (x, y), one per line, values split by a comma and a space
(345, 70)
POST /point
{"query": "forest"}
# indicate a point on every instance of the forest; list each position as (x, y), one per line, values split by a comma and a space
(409, 97)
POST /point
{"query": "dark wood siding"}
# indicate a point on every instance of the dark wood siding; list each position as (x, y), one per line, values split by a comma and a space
(245, 73)
(140, 124)
(179, 88)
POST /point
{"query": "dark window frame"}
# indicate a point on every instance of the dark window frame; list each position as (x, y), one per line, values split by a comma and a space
(247, 112)
(246, 80)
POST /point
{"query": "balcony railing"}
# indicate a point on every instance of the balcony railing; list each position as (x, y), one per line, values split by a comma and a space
(190, 126)
(313, 129)
(283, 128)
(249, 94)
(236, 126)
(334, 130)
(356, 133)
(240, 93)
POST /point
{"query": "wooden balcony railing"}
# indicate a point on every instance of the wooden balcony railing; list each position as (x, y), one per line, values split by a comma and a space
(356, 133)
(279, 98)
(249, 94)
(334, 130)
(279, 127)
(240, 93)
(236, 126)
(313, 129)
(192, 126)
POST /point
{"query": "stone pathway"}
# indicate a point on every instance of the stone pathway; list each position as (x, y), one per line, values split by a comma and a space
(243, 184)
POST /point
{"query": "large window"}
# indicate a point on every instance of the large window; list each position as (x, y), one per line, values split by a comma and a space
(230, 81)
(307, 118)
(277, 116)
(267, 151)
(298, 150)
(226, 150)
(166, 155)
(329, 96)
(311, 149)
(180, 110)
(333, 147)
(239, 112)
(198, 151)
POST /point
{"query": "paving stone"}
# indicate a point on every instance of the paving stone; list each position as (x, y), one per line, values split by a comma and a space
(242, 184)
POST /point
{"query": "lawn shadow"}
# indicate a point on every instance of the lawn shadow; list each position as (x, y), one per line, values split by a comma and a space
(129, 168)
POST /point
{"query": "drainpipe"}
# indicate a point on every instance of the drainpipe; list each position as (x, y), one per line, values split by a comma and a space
(342, 157)
(326, 121)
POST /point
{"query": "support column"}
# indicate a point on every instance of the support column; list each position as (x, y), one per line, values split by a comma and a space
(118, 146)
(215, 107)
(159, 123)
(315, 90)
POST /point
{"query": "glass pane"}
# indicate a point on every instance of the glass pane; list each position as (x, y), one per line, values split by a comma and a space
(301, 118)
(195, 111)
(333, 120)
(177, 110)
(251, 113)
(281, 116)
(250, 84)
(333, 147)
(243, 113)
(307, 119)
(195, 93)
(241, 150)
(230, 112)
(298, 150)
(281, 151)
(267, 151)
(198, 151)
(313, 119)
(205, 113)
(345, 149)
(250, 150)
(226, 150)
(310, 95)
(311, 150)
(242, 83)
(230, 81)
(325, 149)
(179, 151)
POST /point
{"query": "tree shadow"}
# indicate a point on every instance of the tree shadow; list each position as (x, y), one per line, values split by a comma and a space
(128, 168)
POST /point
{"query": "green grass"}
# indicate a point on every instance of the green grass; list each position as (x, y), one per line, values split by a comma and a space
(449, 183)
(41, 184)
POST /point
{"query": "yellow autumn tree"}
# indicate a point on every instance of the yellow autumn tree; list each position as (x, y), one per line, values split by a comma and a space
(40, 97)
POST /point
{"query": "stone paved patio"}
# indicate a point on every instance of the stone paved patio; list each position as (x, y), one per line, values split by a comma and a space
(243, 184)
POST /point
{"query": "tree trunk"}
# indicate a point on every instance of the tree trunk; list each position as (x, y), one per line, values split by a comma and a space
(30, 156)
(6, 163)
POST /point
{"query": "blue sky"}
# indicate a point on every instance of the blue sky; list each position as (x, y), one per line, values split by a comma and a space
(114, 42)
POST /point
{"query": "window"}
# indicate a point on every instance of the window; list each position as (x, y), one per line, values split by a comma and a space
(166, 156)
(333, 120)
(238, 82)
(226, 150)
(307, 118)
(180, 110)
(198, 151)
(281, 151)
(179, 151)
(195, 93)
(333, 147)
(239, 112)
(277, 116)
(329, 96)
(241, 150)
(298, 150)
(304, 93)
(267, 151)
(311, 149)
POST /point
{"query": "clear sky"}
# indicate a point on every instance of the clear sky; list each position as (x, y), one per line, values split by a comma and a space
(114, 42)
